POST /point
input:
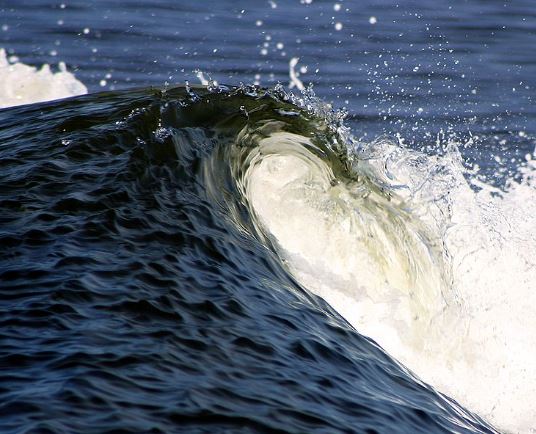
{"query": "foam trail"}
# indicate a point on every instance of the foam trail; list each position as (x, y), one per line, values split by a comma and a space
(439, 275)
(24, 84)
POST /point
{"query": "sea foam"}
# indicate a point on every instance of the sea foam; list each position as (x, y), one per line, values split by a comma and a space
(434, 264)
(24, 84)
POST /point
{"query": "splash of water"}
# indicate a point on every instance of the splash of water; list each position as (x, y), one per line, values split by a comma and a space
(437, 272)
(24, 84)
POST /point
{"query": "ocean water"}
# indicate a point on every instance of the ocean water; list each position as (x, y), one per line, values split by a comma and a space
(302, 216)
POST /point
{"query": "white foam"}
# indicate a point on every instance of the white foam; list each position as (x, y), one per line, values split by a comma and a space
(24, 84)
(441, 276)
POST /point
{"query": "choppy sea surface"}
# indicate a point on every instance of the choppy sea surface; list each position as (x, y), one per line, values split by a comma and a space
(302, 216)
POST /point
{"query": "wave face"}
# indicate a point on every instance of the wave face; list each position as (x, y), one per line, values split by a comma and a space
(145, 283)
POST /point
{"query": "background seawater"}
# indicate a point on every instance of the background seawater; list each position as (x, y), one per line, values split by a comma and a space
(156, 273)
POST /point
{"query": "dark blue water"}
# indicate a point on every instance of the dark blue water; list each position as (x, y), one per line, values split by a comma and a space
(132, 300)
(421, 68)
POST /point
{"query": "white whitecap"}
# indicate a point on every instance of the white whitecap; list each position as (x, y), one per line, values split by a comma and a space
(25, 84)
(442, 275)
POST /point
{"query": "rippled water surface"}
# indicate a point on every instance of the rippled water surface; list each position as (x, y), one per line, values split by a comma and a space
(133, 301)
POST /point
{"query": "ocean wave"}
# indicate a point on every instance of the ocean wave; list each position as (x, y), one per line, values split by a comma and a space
(169, 247)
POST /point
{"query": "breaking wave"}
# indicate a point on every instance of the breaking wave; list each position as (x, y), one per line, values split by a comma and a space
(245, 204)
